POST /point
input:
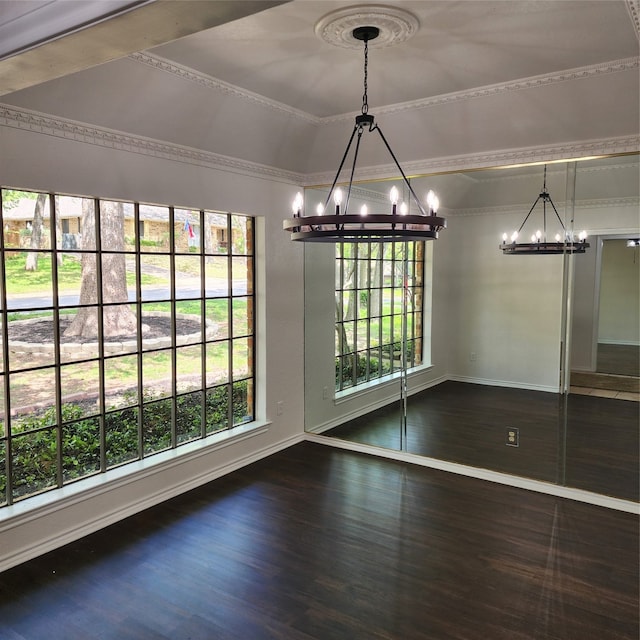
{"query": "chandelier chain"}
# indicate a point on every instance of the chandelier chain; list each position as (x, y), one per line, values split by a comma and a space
(365, 102)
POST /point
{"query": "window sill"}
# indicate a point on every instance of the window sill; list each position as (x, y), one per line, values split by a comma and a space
(38, 505)
(377, 384)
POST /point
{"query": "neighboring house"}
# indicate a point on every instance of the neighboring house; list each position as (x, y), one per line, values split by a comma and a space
(153, 225)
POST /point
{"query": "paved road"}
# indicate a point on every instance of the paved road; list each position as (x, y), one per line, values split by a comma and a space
(150, 293)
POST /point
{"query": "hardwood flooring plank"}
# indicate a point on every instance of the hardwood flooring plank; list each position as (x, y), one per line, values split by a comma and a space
(316, 543)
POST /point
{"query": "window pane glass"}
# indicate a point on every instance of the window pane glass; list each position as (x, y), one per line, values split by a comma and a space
(34, 462)
(216, 233)
(33, 398)
(216, 276)
(242, 394)
(186, 225)
(121, 381)
(155, 277)
(242, 358)
(189, 323)
(242, 233)
(80, 388)
(3, 473)
(121, 435)
(218, 316)
(242, 316)
(189, 416)
(80, 448)
(156, 374)
(217, 409)
(31, 340)
(187, 277)
(153, 228)
(242, 270)
(217, 363)
(28, 279)
(188, 369)
(156, 425)
(79, 334)
(75, 269)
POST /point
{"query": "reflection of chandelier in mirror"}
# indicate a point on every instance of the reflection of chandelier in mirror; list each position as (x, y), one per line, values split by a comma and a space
(563, 242)
(341, 226)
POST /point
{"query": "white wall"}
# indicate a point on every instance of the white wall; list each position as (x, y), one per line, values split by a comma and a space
(619, 294)
(39, 161)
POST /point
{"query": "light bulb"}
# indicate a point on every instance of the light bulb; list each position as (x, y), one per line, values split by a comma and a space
(514, 236)
(533, 238)
(504, 237)
(296, 207)
(337, 197)
(403, 209)
(538, 234)
(363, 210)
(319, 209)
(430, 198)
(558, 237)
(393, 195)
(436, 204)
(582, 236)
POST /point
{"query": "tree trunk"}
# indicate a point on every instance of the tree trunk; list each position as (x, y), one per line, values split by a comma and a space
(118, 320)
(36, 233)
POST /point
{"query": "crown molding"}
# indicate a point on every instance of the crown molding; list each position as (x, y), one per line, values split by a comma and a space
(202, 79)
(533, 82)
(102, 137)
(519, 209)
(633, 8)
(507, 157)
(99, 136)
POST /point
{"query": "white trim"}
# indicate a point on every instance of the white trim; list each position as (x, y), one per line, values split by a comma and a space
(626, 343)
(84, 492)
(506, 383)
(518, 482)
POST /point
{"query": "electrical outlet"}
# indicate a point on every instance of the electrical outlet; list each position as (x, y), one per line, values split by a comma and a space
(513, 437)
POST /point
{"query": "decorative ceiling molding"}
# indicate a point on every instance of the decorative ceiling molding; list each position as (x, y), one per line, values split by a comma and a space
(518, 209)
(566, 151)
(102, 137)
(533, 82)
(395, 25)
(210, 82)
(633, 7)
(99, 136)
(190, 75)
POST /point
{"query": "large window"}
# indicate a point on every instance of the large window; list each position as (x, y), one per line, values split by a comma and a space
(114, 345)
(379, 297)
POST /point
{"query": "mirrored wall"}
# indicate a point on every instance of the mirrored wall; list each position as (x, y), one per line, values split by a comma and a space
(516, 351)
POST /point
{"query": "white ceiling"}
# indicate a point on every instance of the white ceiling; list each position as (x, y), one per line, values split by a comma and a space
(479, 76)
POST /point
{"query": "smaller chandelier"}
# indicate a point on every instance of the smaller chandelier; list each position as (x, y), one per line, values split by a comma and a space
(338, 225)
(564, 241)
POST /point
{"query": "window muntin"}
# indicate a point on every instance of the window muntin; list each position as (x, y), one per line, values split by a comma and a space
(369, 309)
(179, 303)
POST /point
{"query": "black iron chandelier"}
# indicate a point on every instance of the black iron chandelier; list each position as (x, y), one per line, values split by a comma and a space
(564, 241)
(339, 225)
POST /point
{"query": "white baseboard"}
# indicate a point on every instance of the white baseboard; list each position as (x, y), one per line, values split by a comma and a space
(519, 482)
(77, 510)
(372, 406)
(506, 383)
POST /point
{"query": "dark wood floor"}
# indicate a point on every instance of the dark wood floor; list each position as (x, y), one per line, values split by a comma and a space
(623, 359)
(468, 423)
(322, 543)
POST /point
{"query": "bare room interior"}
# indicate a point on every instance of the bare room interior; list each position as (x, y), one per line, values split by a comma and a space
(224, 415)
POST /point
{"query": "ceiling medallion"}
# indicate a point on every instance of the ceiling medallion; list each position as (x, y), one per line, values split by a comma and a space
(394, 25)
